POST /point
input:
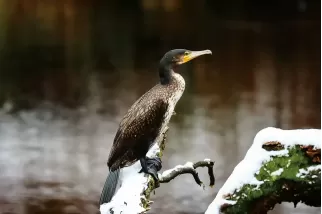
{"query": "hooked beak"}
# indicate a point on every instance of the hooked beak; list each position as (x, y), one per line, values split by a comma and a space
(194, 54)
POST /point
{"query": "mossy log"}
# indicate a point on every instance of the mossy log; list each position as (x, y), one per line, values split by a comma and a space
(281, 166)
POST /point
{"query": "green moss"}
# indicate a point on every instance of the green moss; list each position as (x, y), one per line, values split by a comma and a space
(144, 203)
(150, 188)
(290, 168)
(162, 145)
(291, 163)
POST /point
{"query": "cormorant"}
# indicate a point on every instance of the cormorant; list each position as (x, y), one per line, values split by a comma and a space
(144, 121)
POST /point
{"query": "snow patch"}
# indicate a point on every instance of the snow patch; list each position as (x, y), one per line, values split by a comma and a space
(177, 168)
(288, 163)
(303, 172)
(127, 199)
(244, 172)
(277, 172)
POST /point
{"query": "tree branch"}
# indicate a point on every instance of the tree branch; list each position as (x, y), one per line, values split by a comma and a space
(280, 166)
(189, 167)
(135, 188)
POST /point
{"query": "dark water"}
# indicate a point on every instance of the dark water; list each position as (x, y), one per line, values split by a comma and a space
(67, 84)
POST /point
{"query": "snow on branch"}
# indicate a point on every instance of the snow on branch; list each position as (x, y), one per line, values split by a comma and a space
(280, 166)
(189, 167)
(133, 194)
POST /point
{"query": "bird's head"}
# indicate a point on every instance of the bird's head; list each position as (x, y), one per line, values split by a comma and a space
(180, 56)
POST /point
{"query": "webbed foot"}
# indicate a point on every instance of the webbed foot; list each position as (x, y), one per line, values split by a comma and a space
(151, 166)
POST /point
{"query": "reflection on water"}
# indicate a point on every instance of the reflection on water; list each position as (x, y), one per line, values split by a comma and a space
(53, 158)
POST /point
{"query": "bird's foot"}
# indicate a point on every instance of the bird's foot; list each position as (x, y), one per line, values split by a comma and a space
(151, 166)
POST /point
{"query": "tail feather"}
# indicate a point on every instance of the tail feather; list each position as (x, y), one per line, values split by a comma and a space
(109, 186)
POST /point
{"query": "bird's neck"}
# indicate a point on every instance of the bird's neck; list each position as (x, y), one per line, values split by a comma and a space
(165, 73)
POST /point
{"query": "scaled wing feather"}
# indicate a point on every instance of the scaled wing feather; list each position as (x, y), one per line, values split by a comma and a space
(137, 131)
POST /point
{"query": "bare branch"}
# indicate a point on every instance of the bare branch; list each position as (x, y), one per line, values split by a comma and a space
(189, 167)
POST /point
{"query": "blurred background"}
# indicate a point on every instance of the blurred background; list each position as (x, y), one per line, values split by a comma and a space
(70, 69)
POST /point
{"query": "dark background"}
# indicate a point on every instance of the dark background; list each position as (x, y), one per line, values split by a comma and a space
(70, 69)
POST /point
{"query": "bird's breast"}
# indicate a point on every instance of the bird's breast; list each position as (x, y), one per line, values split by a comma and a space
(176, 91)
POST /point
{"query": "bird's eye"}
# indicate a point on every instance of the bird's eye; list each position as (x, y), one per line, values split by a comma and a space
(186, 53)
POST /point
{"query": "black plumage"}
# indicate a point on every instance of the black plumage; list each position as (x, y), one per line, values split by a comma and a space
(145, 120)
